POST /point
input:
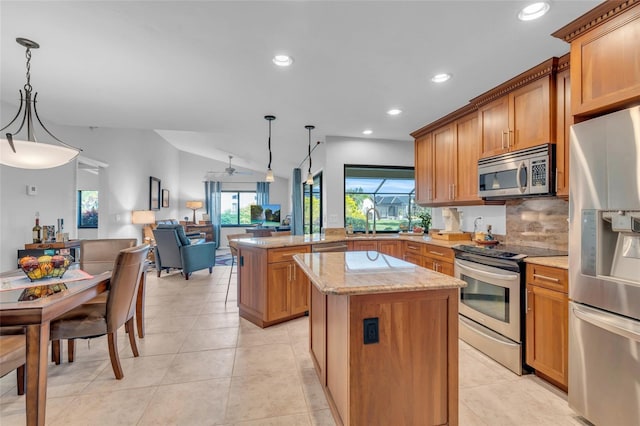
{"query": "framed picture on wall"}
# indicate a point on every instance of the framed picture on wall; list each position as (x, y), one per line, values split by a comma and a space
(165, 198)
(154, 193)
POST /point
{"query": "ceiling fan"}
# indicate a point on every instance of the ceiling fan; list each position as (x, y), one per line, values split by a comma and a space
(229, 171)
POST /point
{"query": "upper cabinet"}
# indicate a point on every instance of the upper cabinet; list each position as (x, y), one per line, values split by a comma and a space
(605, 58)
(519, 113)
(446, 162)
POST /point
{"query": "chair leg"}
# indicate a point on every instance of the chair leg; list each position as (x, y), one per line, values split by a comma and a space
(55, 351)
(186, 276)
(229, 283)
(71, 349)
(20, 379)
(210, 269)
(132, 336)
(112, 338)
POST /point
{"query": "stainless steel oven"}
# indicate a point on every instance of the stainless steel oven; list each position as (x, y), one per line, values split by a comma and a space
(492, 306)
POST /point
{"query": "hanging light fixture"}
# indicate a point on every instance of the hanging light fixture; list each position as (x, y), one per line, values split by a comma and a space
(309, 176)
(28, 153)
(269, 177)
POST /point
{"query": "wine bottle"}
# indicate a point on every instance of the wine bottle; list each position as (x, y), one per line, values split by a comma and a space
(37, 230)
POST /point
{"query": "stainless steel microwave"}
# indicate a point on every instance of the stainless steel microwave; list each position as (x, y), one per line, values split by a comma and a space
(517, 174)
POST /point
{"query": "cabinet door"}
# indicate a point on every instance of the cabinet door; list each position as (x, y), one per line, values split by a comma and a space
(414, 258)
(494, 126)
(299, 290)
(547, 333)
(530, 115)
(564, 121)
(362, 245)
(423, 164)
(443, 150)
(467, 154)
(605, 65)
(392, 248)
(279, 276)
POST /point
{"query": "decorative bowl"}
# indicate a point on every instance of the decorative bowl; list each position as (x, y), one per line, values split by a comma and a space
(38, 268)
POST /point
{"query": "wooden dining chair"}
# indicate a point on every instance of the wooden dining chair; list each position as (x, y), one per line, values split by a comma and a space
(97, 319)
(13, 356)
(96, 256)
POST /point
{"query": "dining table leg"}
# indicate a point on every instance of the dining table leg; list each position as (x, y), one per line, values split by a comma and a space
(37, 359)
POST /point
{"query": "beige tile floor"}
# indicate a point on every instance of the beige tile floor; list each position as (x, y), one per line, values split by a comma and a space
(200, 364)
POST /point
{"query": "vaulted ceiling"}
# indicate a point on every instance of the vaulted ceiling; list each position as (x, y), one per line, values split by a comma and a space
(201, 72)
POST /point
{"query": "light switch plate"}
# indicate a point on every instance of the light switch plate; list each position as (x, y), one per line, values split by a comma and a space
(32, 190)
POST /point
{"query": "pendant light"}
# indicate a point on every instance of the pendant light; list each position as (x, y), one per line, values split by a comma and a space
(27, 153)
(269, 177)
(309, 176)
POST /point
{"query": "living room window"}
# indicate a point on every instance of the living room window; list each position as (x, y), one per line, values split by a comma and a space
(312, 206)
(87, 209)
(235, 206)
(390, 190)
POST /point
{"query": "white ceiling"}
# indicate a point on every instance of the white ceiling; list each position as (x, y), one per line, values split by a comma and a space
(200, 72)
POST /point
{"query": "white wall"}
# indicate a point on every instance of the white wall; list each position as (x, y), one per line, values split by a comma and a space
(338, 151)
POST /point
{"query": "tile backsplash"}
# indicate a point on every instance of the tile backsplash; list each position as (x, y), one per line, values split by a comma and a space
(538, 222)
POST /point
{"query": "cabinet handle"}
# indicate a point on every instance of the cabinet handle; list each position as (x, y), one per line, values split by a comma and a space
(436, 253)
(544, 277)
(502, 140)
(412, 247)
(526, 301)
(289, 273)
(453, 191)
(509, 138)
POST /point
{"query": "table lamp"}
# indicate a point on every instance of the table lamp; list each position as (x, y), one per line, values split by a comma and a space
(194, 205)
(146, 218)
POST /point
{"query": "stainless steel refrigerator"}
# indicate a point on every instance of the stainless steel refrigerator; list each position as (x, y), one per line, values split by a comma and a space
(604, 269)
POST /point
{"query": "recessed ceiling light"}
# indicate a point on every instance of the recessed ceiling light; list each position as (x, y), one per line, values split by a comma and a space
(440, 78)
(367, 132)
(394, 111)
(533, 11)
(282, 60)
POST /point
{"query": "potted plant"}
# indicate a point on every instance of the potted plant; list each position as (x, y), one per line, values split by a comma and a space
(425, 220)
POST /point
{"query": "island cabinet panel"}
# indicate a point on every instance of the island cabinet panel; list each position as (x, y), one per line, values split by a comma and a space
(318, 333)
(252, 270)
(272, 288)
(547, 323)
(404, 378)
(605, 64)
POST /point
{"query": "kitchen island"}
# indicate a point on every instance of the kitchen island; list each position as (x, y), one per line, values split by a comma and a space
(383, 338)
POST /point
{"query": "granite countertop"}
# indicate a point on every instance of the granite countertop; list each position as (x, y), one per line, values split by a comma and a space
(561, 262)
(369, 272)
(298, 240)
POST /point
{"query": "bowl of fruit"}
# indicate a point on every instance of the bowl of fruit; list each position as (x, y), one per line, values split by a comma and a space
(37, 268)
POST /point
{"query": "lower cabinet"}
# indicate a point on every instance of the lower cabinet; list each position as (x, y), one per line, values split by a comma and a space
(271, 286)
(390, 247)
(430, 256)
(547, 323)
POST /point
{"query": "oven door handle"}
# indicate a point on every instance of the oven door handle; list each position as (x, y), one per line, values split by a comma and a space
(490, 274)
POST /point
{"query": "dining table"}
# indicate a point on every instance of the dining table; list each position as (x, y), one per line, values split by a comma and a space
(35, 316)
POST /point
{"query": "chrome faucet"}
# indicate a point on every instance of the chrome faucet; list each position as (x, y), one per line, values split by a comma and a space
(376, 213)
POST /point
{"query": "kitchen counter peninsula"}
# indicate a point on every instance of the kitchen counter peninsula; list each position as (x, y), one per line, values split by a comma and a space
(383, 338)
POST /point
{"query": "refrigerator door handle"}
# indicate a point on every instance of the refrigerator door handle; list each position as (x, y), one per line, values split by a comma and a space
(604, 322)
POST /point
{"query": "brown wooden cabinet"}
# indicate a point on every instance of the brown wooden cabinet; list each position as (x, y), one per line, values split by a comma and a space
(547, 323)
(390, 247)
(430, 256)
(467, 153)
(443, 140)
(605, 58)
(521, 119)
(564, 120)
(271, 286)
(423, 165)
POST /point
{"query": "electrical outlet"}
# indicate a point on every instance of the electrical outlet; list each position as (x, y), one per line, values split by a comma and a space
(371, 331)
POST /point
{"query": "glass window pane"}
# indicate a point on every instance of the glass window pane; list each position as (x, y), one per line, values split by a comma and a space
(229, 207)
(246, 200)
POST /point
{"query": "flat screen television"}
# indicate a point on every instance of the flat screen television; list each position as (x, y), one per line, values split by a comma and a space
(266, 214)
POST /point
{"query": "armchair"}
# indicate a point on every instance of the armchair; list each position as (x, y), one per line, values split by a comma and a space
(175, 250)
